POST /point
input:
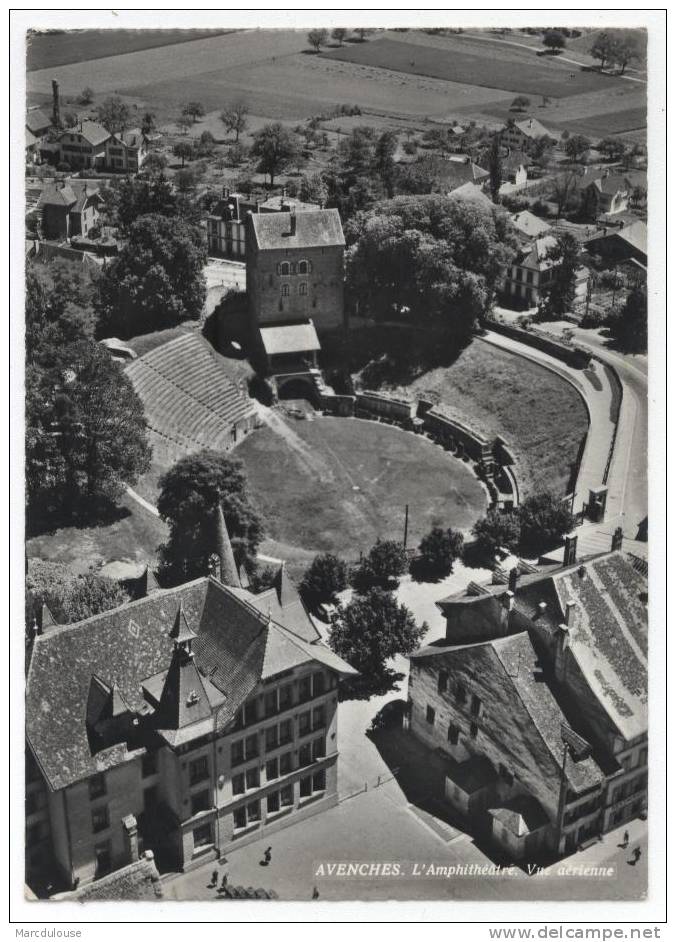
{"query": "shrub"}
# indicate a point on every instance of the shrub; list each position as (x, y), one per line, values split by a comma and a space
(323, 579)
(439, 549)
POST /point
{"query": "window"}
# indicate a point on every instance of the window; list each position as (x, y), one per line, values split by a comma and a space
(319, 781)
(201, 836)
(271, 703)
(271, 739)
(285, 732)
(97, 787)
(237, 752)
(305, 754)
(250, 712)
(302, 288)
(238, 784)
(251, 746)
(285, 763)
(460, 693)
(476, 705)
(303, 267)
(253, 778)
(273, 802)
(643, 757)
(306, 787)
(318, 684)
(103, 858)
(200, 802)
(100, 819)
(199, 770)
(529, 277)
(626, 763)
(429, 716)
(285, 269)
(473, 730)
(253, 812)
(442, 682)
(272, 769)
(239, 818)
(318, 718)
(285, 291)
(286, 796)
(318, 748)
(304, 688)
(285, 697)
(304, 723)
(453, 734)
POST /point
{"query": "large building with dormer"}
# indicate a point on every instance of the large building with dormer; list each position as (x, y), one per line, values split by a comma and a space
(188, 721)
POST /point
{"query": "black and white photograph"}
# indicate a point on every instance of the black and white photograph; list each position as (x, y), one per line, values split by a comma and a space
(331, 427)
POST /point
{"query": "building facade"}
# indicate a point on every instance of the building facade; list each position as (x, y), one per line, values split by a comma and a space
(226, 223)
(538, 698)
(187, 722)
(67, 209)
(522, 135)
(531, 273)
(90, 146)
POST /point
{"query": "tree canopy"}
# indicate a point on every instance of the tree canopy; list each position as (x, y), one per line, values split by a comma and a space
(537, 525)
(439, 549)
(629, 326)
(114, 114)
(553, 39)
(275, 147)
(189, 492)
(157, 280)
(234, 117)
(325, 577)
(427, 257)
(386, 561)
(559, 295)
(317, 38)
(194, 110)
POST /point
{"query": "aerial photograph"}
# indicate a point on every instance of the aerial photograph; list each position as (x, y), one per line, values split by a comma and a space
(336, 464)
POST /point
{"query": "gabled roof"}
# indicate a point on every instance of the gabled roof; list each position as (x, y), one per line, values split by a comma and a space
(38, 121)
(532, 128)
(529, 224)
(54, 195)
(131, 647)
(451, 173)
(290, 338)
(536, 255)
(610, 183)
(94, 133)
(130, 138)
(472, 193)
(31, 139)
(635, 235)
(312, 229)
(137, 881)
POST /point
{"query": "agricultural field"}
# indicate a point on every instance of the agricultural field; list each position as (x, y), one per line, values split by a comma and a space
(50, 49)
(337, 484)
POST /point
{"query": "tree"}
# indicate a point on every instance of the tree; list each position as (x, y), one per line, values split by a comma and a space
(626, 49)
(545, 519)
(194, 110)
(363, 33)
(317, 38)
(560, 293)
(184, 150)
(237, 154)
(520, 103)
(313, 189)
(131, 197)
(339, 34)
(70, 597)
(565, 191)
(323, 580)
(275, 148)
(629, 326)
(85, 432)
(184, 122)
(155, 163)
(114, 114)
(369, 631)
(497, 531)
(554, 40)
(148, 123)
(185, 180)
(189, 493)
(384, 165)
(577, 146)
(612, 148)
(157, 280)
(495, 168)
(603, 48)
(235, 118)
(86, 96)
(386, 561)
(439, 549)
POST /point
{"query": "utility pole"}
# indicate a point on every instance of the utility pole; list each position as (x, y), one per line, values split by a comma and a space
(406, 527)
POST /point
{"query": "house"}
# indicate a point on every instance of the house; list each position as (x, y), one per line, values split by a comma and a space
(622, 244)
(610, 193)
(68, 208)
(531, 272)
(126, 151)
(522, 135)
(226, 223)
(451, 173)
(528, 225)
(545, 681)
(472, 193)
(38, 122)
(83, 146)
(190, 722)
(515, 168)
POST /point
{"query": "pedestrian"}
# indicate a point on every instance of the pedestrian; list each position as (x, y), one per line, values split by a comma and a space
(267, 856)
(224, 882)
(214, 878)
(637, 854)
(625, 839)
(315, 893)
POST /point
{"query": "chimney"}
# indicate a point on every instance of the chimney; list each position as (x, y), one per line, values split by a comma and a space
(513, 579)
(542, 608)
(571, 610)
(570, 549)
(292, 220)
(530, 122)
(563, 640)
(508, 600)
(618, 536)
(56, 107)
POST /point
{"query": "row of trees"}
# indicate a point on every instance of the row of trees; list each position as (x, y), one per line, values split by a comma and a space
(320, 37)
(617, 48)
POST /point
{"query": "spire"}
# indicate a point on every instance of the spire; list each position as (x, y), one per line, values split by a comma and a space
(228, 568)
(286, 592)
(147, 584)
(182, 633)
(47, 620)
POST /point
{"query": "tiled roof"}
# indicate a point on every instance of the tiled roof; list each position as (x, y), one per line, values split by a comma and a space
(531, 127)
(472, 193)
(92, 132)
(529, 224)
(54, 195)
(290, 338)
(132, 138)
(31, 139)
(276, 203)
(635, 235)
(319, 228)
(130, 646)
(138, 881)
(282, 603)
(38, 121)
(535, 256)
(453, 174)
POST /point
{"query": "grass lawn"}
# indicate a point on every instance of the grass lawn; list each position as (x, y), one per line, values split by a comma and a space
(47, 50)
(133, 537)
(470, 66)
(337, 484)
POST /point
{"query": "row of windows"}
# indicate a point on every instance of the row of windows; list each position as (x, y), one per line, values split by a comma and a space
(454, 731)
(461, 694)
(277, 735)
(303, 267)
(629, 788)
(281, 698)
(250, 813)
(302, 290)
(277, 766)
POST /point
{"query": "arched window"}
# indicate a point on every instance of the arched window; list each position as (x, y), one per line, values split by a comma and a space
(284, 268)
(302, 287)
(304, 267)
(285, 291)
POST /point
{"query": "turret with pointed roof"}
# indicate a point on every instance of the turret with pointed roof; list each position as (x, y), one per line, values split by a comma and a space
(147, 583)
(184, 699)
(229, 574)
